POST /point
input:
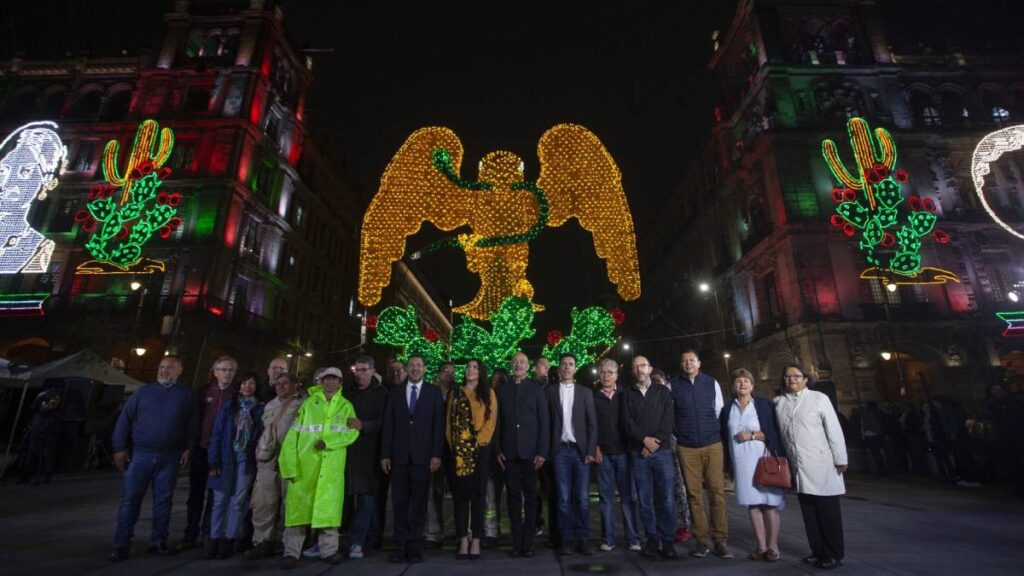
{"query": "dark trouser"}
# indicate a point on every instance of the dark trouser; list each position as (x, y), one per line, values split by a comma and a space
(655, 478)
(362, 515)
(409, 487)
(159, 469)
(521, 483)
(550, 493)
(874, 445)
(573, 483)
(823, 521)
(613, 475)
(39, 463)
(380, 513)
(200, 500)
(468, 493)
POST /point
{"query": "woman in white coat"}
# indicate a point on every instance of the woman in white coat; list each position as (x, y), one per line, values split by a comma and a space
(817, 456)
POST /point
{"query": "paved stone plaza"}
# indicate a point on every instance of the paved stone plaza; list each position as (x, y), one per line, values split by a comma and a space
(893, 526)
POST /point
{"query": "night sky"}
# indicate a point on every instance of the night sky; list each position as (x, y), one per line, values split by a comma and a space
(498, 74)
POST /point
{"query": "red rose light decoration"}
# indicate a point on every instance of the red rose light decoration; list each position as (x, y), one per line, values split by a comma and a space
(618, 316)
(554, 337)
(431, 335)
(371, 321)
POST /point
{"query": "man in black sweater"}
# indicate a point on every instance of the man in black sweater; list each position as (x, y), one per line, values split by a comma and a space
(647, 419)
(612, 461)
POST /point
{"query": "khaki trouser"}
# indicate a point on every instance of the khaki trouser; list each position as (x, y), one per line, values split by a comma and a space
(295, 536)
(704, 468)
(268, 492)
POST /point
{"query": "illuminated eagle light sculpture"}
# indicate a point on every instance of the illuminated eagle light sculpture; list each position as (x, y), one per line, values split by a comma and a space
(422, 183)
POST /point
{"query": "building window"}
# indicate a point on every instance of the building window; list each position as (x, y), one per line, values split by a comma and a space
(931, 116)
(84, 156)
(198, 98)
(183, 156)
(1000, 115)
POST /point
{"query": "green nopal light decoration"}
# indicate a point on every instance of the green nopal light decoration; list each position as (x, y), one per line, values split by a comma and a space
(123, 215)
(869, 202)
(591, 328)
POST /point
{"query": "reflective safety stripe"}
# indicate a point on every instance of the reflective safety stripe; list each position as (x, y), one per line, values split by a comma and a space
(337, 428)
(319, 428)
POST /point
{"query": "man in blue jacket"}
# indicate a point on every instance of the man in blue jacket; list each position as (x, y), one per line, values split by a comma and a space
(153, 435)
(698, 403)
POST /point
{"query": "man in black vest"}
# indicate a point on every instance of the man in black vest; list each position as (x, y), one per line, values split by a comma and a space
(698, 403)
(524, 439)
(411, 442)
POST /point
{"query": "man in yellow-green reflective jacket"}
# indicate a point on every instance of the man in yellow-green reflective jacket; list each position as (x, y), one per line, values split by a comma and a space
(312, 460)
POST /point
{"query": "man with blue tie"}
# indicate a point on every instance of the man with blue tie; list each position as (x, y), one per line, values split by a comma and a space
(411, 443)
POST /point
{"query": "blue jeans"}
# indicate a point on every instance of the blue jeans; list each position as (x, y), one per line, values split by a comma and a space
(230, 510)
(613, 474)
(655, 483)
(363, 507)
(160, 469)
(572, 478)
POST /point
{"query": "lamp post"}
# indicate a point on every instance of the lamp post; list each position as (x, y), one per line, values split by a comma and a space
(706, 287)
(892, 287)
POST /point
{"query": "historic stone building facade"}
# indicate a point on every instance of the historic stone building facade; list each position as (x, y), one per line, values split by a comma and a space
(751, 218)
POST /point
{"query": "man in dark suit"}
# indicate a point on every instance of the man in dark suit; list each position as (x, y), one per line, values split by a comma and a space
(411, 442)
(524, 439)
(573, 449)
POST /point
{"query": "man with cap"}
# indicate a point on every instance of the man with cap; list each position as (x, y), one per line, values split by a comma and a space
(312, 460)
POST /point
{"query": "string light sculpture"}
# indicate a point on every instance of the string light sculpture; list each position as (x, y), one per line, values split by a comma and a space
(578, 178)
(399, 327)
(22, 305)
(123, 215)
(1014, 323)
(869, 200)
(988, 150)
(591, 328)
(27, 173)
(510, 325)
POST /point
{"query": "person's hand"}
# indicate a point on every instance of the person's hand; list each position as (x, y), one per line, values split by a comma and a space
(646, 453)
(355, 423)
(185, 457)
(120, 460)
(435, 464)
(320, 445)
(589, 460)
(215, 472)
(501, 460)
(538, 461)
(599, 457)
(841, 469)
(385, 465)
(651, 443)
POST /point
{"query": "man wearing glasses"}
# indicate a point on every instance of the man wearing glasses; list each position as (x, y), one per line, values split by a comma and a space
(212, 398)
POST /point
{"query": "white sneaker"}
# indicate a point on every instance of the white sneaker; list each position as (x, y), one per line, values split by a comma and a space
(312, 552)
(635, 547)
(607, 547)
(355, 552)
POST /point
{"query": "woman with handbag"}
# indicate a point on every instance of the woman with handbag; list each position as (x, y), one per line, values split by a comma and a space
(750, 435)
(472, 414)
(817, 453)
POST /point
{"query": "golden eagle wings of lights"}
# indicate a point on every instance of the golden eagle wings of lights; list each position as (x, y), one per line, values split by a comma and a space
(503, 211)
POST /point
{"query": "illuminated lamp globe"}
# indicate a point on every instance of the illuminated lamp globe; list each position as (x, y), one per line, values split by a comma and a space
(704, 287)
(308, 354)
(140, 351)
(1013, 296)
(625, 345)
(886, 355)
(135, 285)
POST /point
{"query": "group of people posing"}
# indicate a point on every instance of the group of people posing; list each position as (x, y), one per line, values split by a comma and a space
(263, 475)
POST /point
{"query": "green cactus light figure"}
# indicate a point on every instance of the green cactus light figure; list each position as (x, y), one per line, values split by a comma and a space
(591, 328)
(869, 201)
(124, 214)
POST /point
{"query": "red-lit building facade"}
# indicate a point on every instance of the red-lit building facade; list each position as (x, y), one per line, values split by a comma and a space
(266, 257)
(750, 219)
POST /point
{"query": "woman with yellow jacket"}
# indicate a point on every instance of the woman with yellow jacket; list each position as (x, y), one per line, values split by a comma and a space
(471, 416)
(313, 461)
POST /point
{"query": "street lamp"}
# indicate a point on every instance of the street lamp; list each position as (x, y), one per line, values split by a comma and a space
(140, 351)
(308, 354)
(886, 355)
(625, 345)
(1013, 296)
(726, 356)
(704, 287)
(891, 286)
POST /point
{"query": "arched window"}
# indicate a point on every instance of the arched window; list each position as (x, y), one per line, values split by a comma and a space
(117, 105)
(53, 104)
(931, 116)
(951, 109)
(1000, 115)
(87, 105)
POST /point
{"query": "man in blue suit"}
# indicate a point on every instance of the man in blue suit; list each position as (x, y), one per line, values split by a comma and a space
(411, 442)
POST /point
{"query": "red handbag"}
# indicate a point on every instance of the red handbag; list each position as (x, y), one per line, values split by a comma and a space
(772, 471)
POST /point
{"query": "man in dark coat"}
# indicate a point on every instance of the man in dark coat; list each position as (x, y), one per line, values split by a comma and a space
(524, 441)
(362, 469)
(411, 443)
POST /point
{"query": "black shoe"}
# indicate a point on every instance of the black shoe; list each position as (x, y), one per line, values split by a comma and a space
(212, 548)
(289, 562)
(651, 548)
(553, 543)
(415, 556)
(376, 544)
(566, 549)
(527, 552)
(119, 553)
(583, 547)
(398, 557)
(432, 544)
(830, 564)
(259, 551)
(335, 558)
(812, 559)
(461, 556)
(489, 542)
(477, 556)
(160, 549)
(668, 550)
(186, 544)
(225, 548)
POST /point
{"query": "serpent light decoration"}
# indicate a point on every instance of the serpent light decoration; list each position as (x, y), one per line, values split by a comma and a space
(869, 201)
(988, 150)
(502, 210)
(33, 157)
(123, 215)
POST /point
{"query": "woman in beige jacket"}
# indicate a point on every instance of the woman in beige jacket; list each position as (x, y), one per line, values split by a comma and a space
(817, 456)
